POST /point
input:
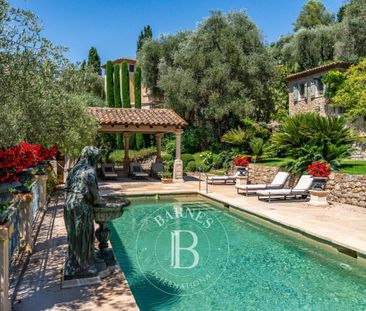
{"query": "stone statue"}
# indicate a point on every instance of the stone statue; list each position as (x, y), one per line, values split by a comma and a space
(81, 195)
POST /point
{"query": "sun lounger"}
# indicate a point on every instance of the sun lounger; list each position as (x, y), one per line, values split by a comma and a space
(136, 170)
(223, 179)
(277, 183)
(109, 172)
(300, 190)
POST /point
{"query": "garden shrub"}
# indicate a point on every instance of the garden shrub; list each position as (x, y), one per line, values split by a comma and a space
(135, 155)
(191, 166)
(186, 157)
(167, 157)
(310, 137)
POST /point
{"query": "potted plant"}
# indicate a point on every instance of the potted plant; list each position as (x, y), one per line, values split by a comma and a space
(166, 176)
(320, 170)
(241, 165)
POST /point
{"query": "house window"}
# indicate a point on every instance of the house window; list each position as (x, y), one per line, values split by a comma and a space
(302, 90)
(131, 68)
(319, 86)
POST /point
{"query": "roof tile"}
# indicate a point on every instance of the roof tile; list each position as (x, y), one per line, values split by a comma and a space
(131, 116)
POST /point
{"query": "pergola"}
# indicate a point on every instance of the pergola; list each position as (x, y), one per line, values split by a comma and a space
(147, 121)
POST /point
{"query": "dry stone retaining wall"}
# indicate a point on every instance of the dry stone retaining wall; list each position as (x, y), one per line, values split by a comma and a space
(343, 188)
(349, 189)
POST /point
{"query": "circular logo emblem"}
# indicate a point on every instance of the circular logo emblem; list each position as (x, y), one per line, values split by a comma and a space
(182, 250)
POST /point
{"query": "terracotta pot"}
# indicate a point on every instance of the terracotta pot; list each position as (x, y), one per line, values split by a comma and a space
(167, 180)
(25, 197)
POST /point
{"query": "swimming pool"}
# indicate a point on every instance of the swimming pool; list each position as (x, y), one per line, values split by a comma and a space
(189, 253)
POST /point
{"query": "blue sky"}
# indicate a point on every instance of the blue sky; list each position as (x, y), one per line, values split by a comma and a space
(112, 26)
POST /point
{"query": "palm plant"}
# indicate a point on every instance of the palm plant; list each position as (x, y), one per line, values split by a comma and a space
(234, 137)
(310, 137)
(257, 148)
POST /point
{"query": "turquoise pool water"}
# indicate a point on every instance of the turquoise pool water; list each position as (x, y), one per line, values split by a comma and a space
(227, 262)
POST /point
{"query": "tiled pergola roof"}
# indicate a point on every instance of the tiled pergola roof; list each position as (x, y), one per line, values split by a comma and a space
(136, 118)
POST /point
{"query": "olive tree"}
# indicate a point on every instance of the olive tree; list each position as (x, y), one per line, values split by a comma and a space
(35, 103)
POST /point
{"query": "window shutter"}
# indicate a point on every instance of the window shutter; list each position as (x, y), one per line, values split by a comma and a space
(295, 93)
(313, 88)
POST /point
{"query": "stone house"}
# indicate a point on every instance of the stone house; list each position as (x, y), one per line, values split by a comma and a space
(306, 94)
(147, 100)
(306, 90)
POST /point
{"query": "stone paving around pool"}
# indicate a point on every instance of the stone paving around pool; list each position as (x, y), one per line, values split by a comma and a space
(39, 287)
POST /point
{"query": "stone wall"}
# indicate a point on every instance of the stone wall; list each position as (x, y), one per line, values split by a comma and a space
(317, 104)
(343, 188)
(349, 189)
(259, 174)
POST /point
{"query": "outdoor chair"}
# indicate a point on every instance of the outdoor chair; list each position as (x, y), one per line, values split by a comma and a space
(136, 171)
(109, 172)
(278, 182)
(300, 191)
(156, 168)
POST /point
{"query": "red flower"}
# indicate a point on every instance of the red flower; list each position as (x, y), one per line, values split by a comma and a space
(319, 169)
(241, 161)
(15, 159)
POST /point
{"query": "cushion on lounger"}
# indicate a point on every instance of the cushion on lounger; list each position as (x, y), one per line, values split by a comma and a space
(304, 183)
(280, 179)
(274, 192)
(251, 187)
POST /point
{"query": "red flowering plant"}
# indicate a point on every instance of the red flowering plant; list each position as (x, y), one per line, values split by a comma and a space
(15, 159)
(319, 169)
(241, 161)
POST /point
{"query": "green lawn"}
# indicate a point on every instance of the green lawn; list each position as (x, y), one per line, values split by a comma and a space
(274, 161)
(354, 167)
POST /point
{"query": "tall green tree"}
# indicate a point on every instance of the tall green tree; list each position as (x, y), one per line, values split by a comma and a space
(137, 91)
(109, 84)
(117, 87)
(351, 38)
(152, 53)
(94, 61)
(144, 35)
(126, 102)
(36, 103)
(220, 73)
(350, 90)
(313, 14)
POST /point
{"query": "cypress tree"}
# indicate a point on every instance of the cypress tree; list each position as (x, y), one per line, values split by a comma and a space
(137, 91)
(83, 65)
(126, 103)
(109, 77)
(117, 100)
(116, 87)
(94, 60)
(144, 34)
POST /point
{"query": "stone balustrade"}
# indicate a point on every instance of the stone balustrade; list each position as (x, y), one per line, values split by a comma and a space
(16, 233)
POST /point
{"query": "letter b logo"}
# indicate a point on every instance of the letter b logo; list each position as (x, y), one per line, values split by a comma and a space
(176, 249)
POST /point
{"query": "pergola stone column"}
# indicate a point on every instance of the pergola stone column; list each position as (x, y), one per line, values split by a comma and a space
(178, 163)
(158, 147)
(126, 159)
